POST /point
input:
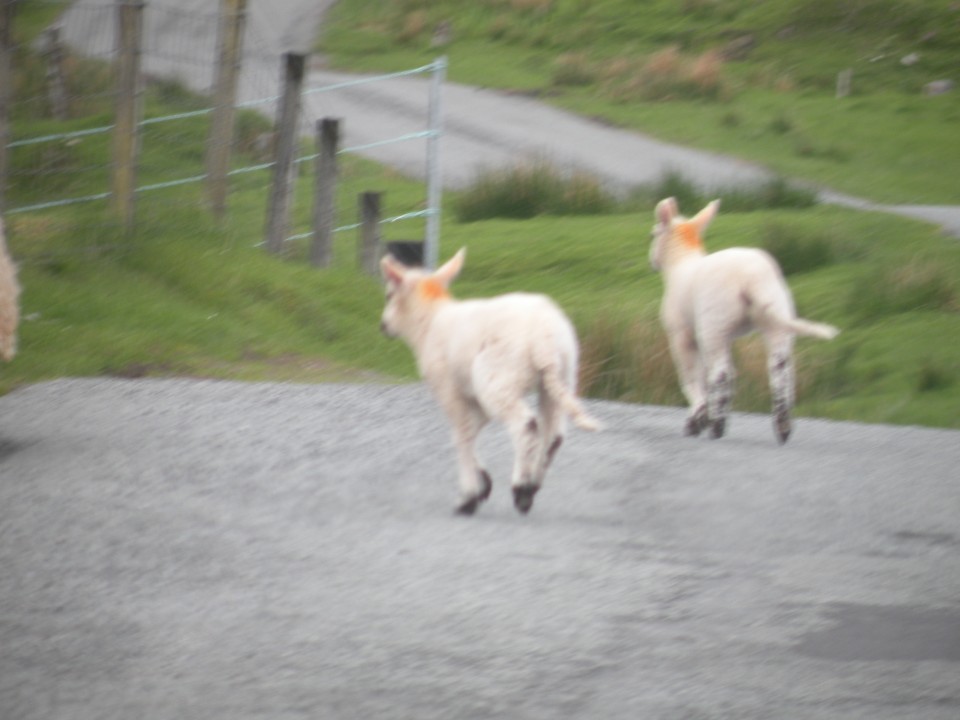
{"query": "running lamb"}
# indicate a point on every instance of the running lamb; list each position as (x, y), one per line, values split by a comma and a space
(710, 299)
(480, 358)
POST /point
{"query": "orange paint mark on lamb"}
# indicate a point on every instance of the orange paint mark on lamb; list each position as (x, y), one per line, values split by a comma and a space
(688, 235)
(431, 289)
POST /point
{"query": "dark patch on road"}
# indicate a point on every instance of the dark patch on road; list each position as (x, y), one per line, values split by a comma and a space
(9, 447)
(885, 632)
(927, 538)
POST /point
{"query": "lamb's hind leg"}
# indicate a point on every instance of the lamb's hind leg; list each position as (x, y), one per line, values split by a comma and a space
(474, 480)
(525, 432)
(782, 382)
(552, 429)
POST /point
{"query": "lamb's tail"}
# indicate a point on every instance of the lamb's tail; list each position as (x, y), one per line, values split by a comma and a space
(800, 326)
(554, 385)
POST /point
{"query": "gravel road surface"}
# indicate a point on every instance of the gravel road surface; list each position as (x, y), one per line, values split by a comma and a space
(192, 549)
(197, 549)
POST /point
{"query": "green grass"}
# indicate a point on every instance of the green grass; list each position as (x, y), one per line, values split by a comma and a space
(888, 367)
(206, 302)
(660, 67)
(181, 295)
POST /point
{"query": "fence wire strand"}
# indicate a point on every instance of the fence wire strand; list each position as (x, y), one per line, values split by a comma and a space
(178, 70)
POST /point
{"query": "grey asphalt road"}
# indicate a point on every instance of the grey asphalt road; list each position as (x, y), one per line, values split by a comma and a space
(199, 549)
(483, 128)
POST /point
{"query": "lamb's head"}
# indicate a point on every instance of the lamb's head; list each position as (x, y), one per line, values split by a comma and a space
(413, 295)
(675, 235)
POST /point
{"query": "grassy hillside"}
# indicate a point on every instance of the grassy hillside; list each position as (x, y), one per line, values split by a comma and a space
(892, 285)
(208, 303)
(754, 79)
(181, 295)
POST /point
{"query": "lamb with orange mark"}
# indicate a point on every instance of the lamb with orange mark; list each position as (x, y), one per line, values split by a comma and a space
(9, 294)
(710, 299)
(481, 358)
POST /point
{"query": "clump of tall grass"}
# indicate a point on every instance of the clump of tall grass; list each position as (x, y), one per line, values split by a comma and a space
(918, 285)
(796, 250)
(772, 194)
(413, 25)
(667, 74)
(934, 377)
(828, 373)
(775, 193)
(538, 187)
(532, 188)
(627, 360)
(573, 69)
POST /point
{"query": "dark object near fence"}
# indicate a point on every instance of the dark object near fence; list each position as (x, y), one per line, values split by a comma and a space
(409, 252)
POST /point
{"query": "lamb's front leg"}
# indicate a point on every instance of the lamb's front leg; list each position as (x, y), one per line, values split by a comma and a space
(686, 358)
(474, 480)
(720, 377)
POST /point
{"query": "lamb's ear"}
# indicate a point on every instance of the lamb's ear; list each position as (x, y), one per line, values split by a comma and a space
(451, 268)
(666, 210)
(703, 218)
(391, 269)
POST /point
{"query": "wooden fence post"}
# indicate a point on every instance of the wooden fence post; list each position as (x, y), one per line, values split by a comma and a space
(56, 81)
(288, 115)
(6, 84)
(325, 188)
(220, 140)
(126, 132)
(844, 80)
(369, 248)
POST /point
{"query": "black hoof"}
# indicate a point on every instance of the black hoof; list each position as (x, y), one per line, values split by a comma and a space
(467, 507)
(781, 428)
(717, 428)
(523, 497)
(486, 485)
(696, 423)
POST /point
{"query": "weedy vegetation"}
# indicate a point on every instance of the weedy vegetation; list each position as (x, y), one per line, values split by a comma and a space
(756, 80)
(182, 295)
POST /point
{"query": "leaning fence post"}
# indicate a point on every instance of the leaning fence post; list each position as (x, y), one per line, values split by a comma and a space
(220, 141)
(126, 129)
(369, 248)
(6, 84)
(325, 188)
(286, 147)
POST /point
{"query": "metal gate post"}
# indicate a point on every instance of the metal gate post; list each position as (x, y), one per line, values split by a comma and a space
(434, 171)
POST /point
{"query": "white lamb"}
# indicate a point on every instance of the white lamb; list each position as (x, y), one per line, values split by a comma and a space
(711, 299)
(481, 358)
(9, 310)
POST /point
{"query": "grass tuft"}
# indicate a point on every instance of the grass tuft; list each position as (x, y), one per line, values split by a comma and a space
(628, 361)
(529, 189)
(935, 377)
(917, 286)
(795, 250)
(667, 74)
(776, 193)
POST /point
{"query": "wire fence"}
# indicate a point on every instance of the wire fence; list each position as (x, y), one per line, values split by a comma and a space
(64, 164)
